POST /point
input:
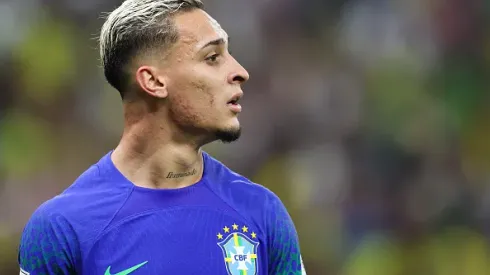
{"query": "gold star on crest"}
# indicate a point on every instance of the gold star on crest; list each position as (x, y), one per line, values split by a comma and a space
(254, 235)
(235, 227)
(220, 237)
(244, 229)
(226, 229)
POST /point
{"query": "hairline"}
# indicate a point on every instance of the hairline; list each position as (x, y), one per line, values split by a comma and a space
(119, 68)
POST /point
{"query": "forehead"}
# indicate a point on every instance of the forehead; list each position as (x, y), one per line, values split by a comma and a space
(197, 27)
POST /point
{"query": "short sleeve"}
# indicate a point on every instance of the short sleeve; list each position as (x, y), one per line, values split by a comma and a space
(283, 249)
(48, 245)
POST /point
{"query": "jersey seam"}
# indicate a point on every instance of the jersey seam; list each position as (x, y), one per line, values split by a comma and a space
(109, 222)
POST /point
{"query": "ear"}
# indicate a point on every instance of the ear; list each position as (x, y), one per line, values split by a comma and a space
(150, 82)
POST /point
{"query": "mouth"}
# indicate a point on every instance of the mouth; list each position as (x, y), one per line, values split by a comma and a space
(233, 103)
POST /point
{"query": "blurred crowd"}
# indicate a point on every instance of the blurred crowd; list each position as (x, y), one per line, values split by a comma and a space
(369, 118)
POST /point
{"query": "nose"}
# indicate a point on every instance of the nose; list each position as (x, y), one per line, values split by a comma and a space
(239, 74)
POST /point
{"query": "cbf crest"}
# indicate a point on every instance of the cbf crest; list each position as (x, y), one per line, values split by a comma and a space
(239, 248)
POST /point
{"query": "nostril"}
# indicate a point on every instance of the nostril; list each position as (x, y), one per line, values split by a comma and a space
(238, 78)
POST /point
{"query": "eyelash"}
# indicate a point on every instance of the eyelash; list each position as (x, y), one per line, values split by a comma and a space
(213, 58)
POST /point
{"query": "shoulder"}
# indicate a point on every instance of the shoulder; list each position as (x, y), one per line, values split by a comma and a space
(247, 197)
(236, 184)
(83, 209)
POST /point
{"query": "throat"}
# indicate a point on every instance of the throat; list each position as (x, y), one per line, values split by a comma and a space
(175, 178)
(168, 167)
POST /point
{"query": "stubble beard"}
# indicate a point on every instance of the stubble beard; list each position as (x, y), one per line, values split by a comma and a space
(189, 122)
(228, 135)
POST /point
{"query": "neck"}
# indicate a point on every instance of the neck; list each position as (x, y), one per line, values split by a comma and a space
(152, 158)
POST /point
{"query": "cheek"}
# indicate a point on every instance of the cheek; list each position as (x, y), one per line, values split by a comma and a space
(204, 93)
(194, 104)
(182, 110)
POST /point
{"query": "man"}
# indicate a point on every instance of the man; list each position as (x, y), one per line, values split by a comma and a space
(158, 204)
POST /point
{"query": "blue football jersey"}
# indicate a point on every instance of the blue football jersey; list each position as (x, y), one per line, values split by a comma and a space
(103, 224)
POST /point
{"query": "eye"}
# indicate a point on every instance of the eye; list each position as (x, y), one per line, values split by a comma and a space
(213, 58)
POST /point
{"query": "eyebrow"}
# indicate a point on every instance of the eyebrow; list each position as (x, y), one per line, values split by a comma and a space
(215, 42)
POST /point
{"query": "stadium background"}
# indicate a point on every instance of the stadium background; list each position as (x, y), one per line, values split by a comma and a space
(369, 118)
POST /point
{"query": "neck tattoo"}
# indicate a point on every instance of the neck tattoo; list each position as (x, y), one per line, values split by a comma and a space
(172, 175)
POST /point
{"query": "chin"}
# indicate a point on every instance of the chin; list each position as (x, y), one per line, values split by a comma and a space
(228, 135)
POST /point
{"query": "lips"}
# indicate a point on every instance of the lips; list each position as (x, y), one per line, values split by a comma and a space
(233, 103)
(234, 100)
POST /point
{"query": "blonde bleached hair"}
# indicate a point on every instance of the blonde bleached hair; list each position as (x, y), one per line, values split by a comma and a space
(136, 26)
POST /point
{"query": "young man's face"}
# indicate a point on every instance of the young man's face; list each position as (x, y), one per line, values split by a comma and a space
(204, 79)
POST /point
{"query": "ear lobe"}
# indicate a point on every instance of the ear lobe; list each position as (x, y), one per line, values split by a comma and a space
(150, 82)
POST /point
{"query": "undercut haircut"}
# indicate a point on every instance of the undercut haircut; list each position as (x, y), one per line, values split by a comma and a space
(134, 27)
